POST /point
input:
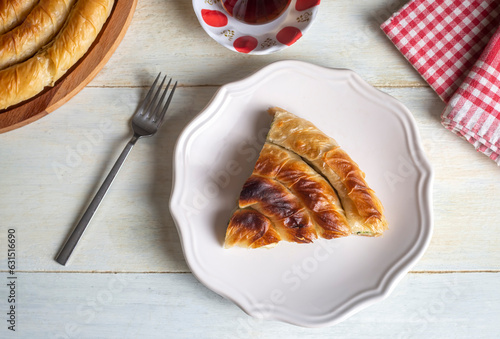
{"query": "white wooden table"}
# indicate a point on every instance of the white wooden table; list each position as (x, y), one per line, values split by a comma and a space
(128, 278)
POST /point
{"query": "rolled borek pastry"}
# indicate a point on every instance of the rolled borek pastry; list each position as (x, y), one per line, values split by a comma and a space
(39, 27)
(24, 80)
(13, 12)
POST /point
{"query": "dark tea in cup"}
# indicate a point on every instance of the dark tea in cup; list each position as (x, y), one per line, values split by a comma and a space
(255, 11)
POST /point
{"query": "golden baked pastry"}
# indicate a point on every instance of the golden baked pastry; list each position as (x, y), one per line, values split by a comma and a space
(13, 12)
(24, 80)
(285, 199)
(363, 209)
(34, 32)
(292, 192)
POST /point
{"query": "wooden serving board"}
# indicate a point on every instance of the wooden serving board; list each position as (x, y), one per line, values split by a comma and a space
(77, 76)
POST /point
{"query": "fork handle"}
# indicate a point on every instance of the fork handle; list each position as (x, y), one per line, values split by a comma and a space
(77, 232)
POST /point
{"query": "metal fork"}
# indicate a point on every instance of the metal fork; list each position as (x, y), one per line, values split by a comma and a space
(145, 123)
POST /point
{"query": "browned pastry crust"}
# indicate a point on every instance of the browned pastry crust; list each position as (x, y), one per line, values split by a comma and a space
(251, 229)
(363, 209)
(24, 80)
(290, 197)
(272, 199)
(13, 12)
(43, 22)
(313, 191)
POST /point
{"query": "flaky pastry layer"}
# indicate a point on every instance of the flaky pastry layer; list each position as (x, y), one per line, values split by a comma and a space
(39, 27)
(285, 199)
(363, 209)
(13, 12)
(24, 80)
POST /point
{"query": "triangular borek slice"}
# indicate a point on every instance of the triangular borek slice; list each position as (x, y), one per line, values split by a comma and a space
(313, 191)
(285, 199)
(363, 209)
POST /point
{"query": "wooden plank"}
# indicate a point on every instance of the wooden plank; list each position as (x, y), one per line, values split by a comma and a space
(177, 306)
(56, 179)
(166, 36)
(51, 168)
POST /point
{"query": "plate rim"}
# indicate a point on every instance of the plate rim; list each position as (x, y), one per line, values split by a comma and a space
(390, 278)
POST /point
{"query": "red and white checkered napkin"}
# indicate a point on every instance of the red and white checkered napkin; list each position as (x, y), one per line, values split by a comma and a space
(474, 110)
(449, 42)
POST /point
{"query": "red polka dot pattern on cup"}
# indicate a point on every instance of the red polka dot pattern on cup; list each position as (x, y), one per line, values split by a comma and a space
(252, 39)
(214, 18)
(302, 5)
(289, 35)
(245, 44)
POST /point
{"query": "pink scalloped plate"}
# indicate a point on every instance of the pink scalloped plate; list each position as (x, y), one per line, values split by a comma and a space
(324, 282)
(256, 39)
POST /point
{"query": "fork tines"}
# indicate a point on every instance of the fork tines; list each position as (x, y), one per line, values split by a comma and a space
(157, 107)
